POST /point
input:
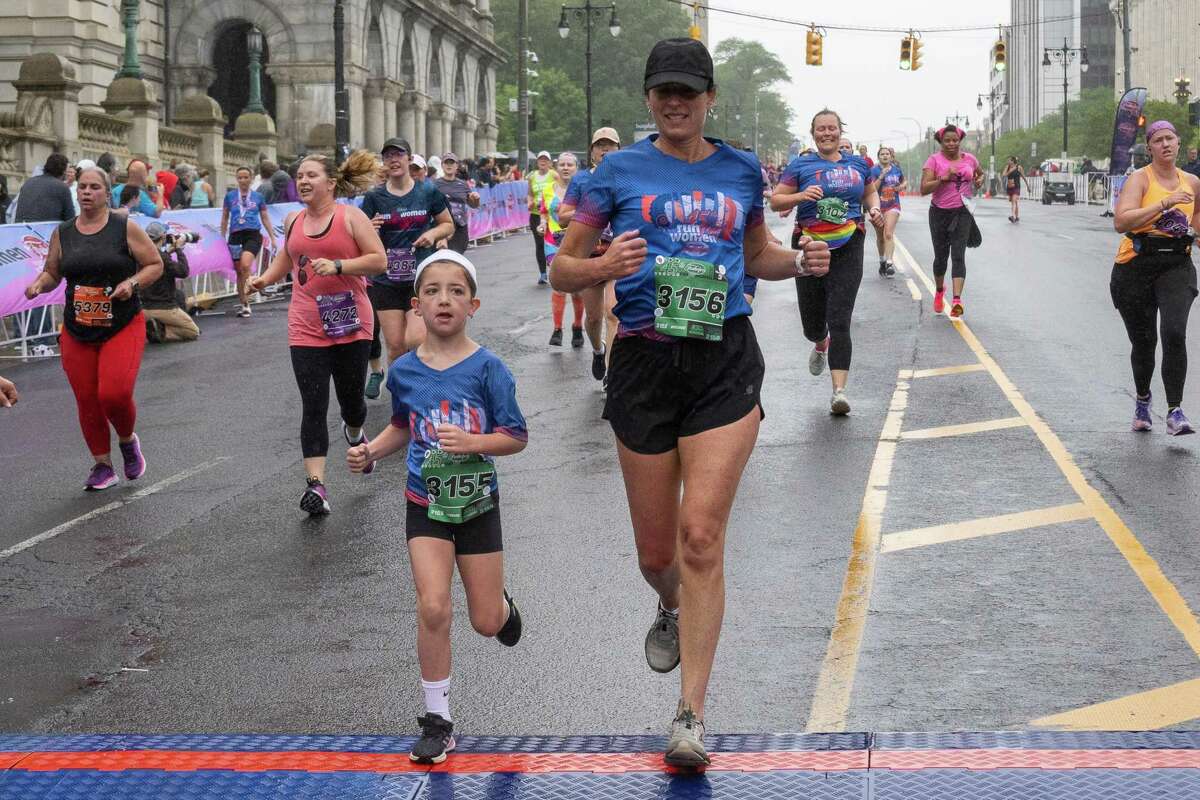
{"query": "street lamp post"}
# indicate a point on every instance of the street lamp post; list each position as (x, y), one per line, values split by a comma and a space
(341, 99)
(1183, 90)
(992, 97)
(1065, 55)
(130, 66)
(254, 47)
(587, 12)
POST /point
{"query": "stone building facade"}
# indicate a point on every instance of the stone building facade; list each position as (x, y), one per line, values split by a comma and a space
(422, 69)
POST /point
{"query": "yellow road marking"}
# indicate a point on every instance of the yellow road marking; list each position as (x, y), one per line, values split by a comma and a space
(1144, 566)
(831, 700)
(964, 429)
(940, 371)
(912, 289)
(1156, 708)
(986, 526)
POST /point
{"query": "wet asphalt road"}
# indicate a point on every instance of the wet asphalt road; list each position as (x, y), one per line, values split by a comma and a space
(214, 604)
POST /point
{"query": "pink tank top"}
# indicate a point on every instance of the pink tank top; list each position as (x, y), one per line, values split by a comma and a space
(326, 309)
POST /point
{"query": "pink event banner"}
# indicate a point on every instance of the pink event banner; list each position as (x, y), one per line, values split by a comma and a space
(23, 247)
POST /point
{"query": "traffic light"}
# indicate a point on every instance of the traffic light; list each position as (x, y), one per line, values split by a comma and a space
(916, 53)
(813, 53)
(999, 56)
(906, 52)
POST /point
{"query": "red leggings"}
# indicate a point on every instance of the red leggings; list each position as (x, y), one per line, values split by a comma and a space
(558, 304)
(102, 375)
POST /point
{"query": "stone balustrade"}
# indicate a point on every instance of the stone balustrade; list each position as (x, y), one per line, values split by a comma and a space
(178, 145)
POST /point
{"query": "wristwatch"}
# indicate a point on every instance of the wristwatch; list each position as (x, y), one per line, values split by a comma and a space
(135, 283)
(337, 262)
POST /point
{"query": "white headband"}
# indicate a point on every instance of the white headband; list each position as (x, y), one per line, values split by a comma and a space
(448, 255)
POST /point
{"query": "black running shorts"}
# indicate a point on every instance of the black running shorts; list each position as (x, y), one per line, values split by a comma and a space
(659, 392)
(249, 240)
(473, 537)
(391, 296)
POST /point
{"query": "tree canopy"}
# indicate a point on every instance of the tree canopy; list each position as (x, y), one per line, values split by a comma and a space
(559, 107)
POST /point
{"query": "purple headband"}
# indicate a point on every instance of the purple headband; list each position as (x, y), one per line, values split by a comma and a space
(1161, 125)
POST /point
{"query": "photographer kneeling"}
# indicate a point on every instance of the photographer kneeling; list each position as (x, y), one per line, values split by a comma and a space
(162, 301)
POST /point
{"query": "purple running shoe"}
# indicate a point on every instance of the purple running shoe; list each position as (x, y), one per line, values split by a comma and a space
(1178, 424)
(315, 500)
(1141, 414)
(100, 478)
(135, 462)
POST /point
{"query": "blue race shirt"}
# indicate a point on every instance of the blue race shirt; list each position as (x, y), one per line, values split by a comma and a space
(845, 179)
(244, 211)
(889, 194)
(699, 211)
(408, 216)
(478, 394)
(145, 204)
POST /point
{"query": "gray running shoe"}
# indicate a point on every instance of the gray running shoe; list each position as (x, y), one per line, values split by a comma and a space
(817, 359)
(662, 642)
(685, 745)
(839, 405)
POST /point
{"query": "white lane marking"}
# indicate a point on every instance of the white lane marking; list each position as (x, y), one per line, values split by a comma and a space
(113, 506)
(1063, 235)
(528, 326)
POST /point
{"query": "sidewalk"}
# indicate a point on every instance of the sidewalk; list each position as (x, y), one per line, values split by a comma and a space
(1007, 765)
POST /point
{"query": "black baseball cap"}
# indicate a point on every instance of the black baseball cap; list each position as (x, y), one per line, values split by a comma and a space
(396, 143)
(684, 61)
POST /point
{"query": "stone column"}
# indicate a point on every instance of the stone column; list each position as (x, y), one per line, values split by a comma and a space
(469, 127)
(48, 77)
(392, 92)
(191, 80)
(134, 99)
(418, 105)
(407, 122)
(257, 130)
(445, 120)
(374, 122)
(201, 115)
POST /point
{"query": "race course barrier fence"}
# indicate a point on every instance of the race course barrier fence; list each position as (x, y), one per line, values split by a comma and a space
(24, 247)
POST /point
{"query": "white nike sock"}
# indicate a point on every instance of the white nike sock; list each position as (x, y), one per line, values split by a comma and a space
(437, 697)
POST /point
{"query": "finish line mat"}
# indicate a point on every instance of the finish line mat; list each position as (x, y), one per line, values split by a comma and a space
(1006, 765)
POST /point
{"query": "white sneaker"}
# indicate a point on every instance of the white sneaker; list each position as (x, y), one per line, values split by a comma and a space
(244, 311)
(817, 359)
(838, 404)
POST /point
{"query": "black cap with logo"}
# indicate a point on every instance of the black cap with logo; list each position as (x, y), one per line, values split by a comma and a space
(396, 143)
(684, 61)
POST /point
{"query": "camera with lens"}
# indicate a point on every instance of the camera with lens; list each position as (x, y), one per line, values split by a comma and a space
(183, 239)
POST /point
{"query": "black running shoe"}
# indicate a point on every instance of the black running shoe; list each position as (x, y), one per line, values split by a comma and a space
(556, 338)
(576, 337)
(598, 367)
(889, 270)
(437, 739)
(510, 634)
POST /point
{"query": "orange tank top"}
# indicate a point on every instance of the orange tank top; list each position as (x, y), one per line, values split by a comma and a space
(1155, 194)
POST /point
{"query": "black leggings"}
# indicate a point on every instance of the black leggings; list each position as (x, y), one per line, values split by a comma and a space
(827, 303)
(1159, 291)
(314, 366)
(539, 244)
(949, 229)
(376, 344)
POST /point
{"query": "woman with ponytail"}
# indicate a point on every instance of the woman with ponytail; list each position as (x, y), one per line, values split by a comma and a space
(330, 248)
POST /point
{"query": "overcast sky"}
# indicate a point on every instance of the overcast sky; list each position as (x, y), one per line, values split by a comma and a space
(860, 76)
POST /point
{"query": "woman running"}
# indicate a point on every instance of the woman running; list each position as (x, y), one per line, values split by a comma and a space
(1153, 279)
(329, 248)
(598, 319)
(950, 175)
(105, 258)
(1013, 175)
(686, 370)
(411, 216)
(550, 229)
(889, 183)
(831, 191)
(246, 209)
